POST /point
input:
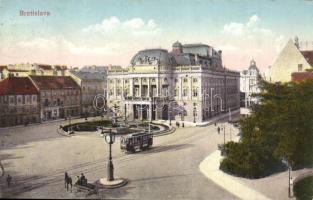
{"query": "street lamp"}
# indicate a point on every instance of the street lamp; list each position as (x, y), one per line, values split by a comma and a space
(125, 113)
(169, 115)
(194, 114)
(182, 118)
(285, 161)
(110, 139)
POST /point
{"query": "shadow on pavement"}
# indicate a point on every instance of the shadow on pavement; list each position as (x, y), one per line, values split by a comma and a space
(164, 148)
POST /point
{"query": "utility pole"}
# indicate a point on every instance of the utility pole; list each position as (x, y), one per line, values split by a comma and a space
(224, 134)
(229, 124)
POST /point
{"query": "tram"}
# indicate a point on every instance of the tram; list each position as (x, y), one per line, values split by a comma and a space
(136, 142)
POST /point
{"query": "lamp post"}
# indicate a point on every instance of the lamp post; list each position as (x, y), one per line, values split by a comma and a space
(115, 115)
(194, 114)
(224, 134)
(110, 139)
(182, 118)
(169, 115)
(286, 162)
(125, 113)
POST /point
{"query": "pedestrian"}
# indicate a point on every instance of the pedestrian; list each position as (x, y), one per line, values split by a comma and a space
(9, 179)
(218, 130)
(65, 179)
(215, 124)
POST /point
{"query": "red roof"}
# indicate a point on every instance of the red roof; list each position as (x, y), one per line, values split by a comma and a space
(60, 67)
(308, 55)
(17, 86)
(301, 76)
(45, 67)
(54, 82)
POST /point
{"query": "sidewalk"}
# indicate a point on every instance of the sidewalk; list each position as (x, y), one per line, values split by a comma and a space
(62, 120)
(201, 124)
(210, 168)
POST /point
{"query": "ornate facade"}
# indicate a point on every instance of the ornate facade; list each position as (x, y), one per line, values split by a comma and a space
(249, 84)
(189, 83)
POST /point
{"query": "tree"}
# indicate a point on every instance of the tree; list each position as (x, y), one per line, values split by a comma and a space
(280, 126)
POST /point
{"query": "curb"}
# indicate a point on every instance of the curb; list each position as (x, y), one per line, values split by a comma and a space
(63, 133)
(101, 186)
(2, 170)
(210, 168)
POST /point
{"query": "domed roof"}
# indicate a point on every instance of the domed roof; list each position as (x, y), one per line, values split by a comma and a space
(177, 44)
(253, 66)
(153, 57)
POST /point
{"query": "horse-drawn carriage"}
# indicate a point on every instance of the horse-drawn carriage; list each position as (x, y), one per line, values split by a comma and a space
(90, 188)
(136, 141)
(80, 185)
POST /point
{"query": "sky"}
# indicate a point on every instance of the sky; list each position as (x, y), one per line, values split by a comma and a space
(93, 32)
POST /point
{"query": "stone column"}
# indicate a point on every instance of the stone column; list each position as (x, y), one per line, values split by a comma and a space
(141, 112)
(140, 87)
(149, 87)
(180, 88)
(190, 90)
(131, 87)
(150, 111)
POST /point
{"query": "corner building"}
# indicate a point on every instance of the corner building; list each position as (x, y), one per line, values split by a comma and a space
(189, 84)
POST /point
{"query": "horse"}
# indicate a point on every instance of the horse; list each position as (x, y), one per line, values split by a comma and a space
(68, 181)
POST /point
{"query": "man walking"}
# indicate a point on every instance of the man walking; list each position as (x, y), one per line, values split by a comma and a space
(9, 179)
(218, 130)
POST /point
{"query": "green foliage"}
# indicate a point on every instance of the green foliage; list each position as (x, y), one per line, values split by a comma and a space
(303, 189)
(280, 126)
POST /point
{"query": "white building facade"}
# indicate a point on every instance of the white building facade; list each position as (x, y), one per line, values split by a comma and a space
(249, 85)
(189, 84)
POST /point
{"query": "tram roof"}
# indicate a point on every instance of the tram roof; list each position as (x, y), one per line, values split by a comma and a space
(138, 134)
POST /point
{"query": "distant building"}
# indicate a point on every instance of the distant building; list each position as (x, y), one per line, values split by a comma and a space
(291, 59)
(95, 69)
(249, 85)
(92, 84)
(60, 97)
(23, 70)
(19, 102)
(188, 84)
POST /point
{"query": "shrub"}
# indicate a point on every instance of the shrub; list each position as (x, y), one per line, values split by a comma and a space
(249, 160)
(86, 126)
(303, 189)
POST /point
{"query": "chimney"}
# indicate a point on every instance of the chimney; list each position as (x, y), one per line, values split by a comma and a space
(297, 42)
(220, 53)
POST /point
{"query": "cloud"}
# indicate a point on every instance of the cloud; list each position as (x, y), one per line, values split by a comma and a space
(242, 41)
(279, 43)
(248, 29)
(60, 44)
(114, 25)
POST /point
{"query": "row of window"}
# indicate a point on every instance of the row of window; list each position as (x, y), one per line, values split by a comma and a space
(60, 92)
(20, 99)
(185, 80)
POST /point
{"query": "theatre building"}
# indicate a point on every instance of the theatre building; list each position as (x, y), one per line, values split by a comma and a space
(188, 83)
